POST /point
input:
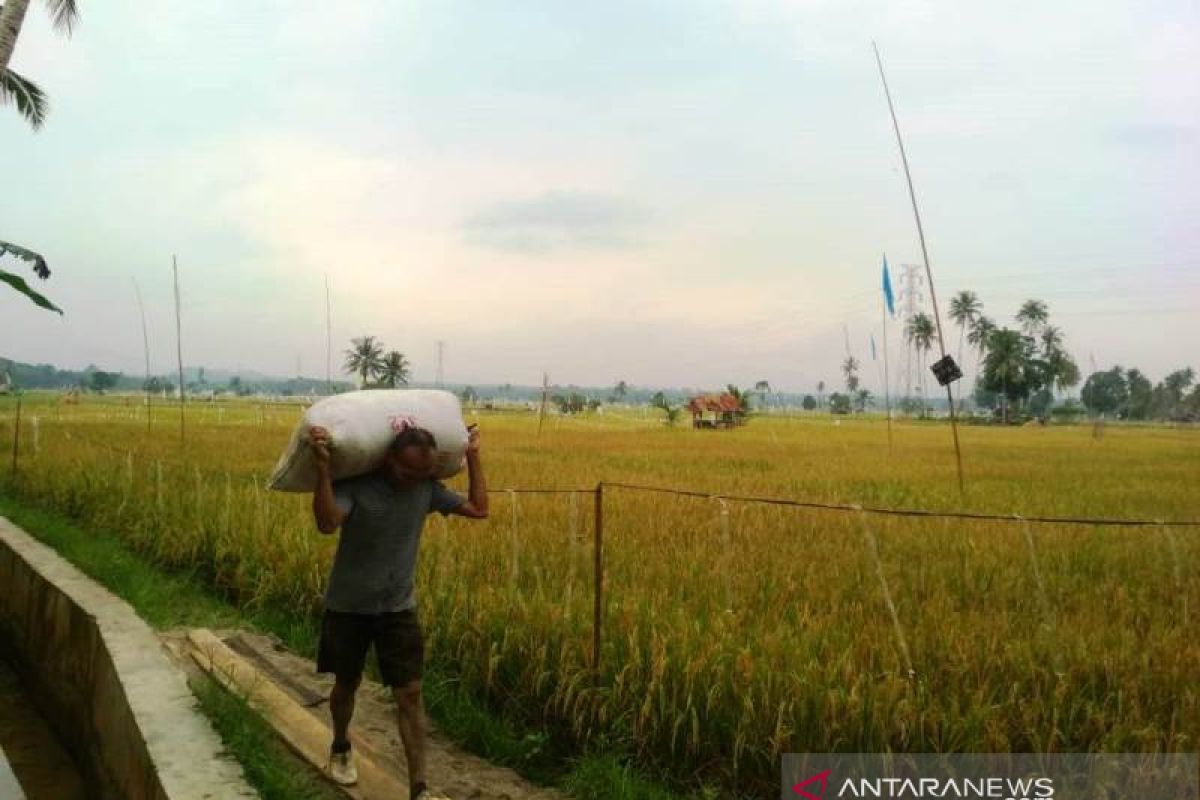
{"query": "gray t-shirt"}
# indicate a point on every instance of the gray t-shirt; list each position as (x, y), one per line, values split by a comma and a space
(376, 558)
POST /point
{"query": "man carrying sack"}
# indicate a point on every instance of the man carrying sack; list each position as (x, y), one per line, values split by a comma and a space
(370, 598)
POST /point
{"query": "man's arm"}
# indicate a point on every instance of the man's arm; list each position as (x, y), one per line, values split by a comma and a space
(325, 509)
(476, 506)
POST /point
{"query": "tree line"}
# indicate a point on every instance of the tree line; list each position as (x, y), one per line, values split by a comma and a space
(1020, 372)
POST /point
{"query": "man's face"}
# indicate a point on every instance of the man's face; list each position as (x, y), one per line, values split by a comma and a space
(411, 465)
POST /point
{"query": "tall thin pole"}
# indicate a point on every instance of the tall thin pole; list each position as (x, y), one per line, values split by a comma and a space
(178, 345)
(441, 375)
(542, 410)
(598, 580)
(145, 347)
(925, 255)
(887, 391)
(328, 339)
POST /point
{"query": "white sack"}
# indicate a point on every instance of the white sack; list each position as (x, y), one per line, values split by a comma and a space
(362, 424)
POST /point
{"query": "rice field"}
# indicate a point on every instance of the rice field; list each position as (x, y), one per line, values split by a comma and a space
(733, 632)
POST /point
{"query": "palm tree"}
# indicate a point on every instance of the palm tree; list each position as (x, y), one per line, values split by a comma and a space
(965, 308)
(850, 370)
(394, 369)
(981, 330)
(17, 282)
(1052, 339)
(30, 100)
(919, 332)
(1061, 370)
(365, 358)
(1006, 363)
(1033, 316)
(28, 97)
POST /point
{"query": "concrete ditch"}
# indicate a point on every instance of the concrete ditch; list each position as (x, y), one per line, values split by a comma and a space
(102, 678)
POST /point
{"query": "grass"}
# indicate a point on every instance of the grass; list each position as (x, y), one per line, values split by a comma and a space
(273, 770)
(733, 632)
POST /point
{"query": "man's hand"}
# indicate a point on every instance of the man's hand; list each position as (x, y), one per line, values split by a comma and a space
(328, 516)
(318, 440)
(476, 505)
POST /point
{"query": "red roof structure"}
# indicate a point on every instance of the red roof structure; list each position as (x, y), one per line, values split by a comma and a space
(723, 407)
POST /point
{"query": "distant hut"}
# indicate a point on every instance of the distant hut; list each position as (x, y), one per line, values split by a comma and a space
(714, 410)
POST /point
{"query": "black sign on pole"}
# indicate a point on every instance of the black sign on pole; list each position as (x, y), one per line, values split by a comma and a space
(946, 371)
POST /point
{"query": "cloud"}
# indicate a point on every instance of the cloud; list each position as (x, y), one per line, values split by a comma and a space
(558, 221)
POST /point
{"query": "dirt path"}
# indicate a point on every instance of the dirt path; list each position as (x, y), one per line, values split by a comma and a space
(373, 732)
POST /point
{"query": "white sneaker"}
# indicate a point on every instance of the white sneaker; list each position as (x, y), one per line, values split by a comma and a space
(341, 768)
(430, 794)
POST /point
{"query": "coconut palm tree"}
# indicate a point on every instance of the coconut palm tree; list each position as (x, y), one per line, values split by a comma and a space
(365, 358)
(965, 308)
(981, 330)
(17, 282)
(1006, 366)
(29, 99)
(1052, 339)
(1033, 316)
(394, 369)
(919, 332)
(850, 370)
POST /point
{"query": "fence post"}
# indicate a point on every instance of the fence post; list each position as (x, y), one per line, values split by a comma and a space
(16, 441)
(598, 580)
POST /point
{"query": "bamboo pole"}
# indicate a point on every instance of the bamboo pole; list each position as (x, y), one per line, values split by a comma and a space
(179, 348)
(542, 410)
(146, 348)
(328, 339)
(598, 579)
(937, 317)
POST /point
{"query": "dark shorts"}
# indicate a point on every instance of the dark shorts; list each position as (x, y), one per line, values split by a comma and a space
(399, 646)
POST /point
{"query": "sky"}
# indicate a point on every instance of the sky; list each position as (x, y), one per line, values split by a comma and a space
(667, 193)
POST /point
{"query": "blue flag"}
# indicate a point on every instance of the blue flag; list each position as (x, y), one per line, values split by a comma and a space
(888, 297)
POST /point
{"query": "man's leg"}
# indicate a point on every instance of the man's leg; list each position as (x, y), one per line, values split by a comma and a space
(343, 651)
(400, 646)
(341, 708)
(410, 713)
